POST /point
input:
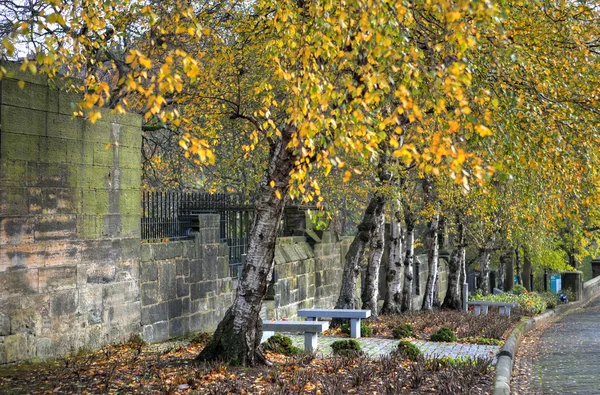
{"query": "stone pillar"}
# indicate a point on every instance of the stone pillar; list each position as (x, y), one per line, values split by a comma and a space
(573, 281)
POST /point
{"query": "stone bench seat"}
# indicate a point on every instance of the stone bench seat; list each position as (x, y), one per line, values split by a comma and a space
(354, 315)
(482, 306)
(309, 328)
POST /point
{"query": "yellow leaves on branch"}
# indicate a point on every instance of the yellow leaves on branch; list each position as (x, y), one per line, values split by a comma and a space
(483, 131)
(197, 148)
(135, 58)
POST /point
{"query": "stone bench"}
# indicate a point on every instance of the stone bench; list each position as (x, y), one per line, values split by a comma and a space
(481, 306)
(310, 329)
(354, 315)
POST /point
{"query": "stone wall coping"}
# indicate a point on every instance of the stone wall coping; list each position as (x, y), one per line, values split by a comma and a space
(591, 283)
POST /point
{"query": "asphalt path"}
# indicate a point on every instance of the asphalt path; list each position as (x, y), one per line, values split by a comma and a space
(567, 353)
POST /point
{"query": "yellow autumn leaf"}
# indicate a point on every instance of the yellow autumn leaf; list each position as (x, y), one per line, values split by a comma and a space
(278, 194)
(483, 130)
(453, 126)
(94, 116)
(21, 84)
(144, 61)
(347, 175)
(272, 184)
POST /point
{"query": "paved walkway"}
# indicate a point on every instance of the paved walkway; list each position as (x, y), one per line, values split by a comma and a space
(567, 359)
(375, 347)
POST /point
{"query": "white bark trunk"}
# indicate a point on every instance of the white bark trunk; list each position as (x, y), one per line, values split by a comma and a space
(453, 299)
(393, 297)
(356, 253)
(484, 264)
(407, 287)
(370, 294)
(432, 262)
(238, 335)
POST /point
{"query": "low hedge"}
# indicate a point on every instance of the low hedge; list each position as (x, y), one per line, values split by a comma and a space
(531, 303)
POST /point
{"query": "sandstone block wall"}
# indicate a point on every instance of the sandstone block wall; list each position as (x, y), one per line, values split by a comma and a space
(307, 274)
(69, 224)
(185, 285)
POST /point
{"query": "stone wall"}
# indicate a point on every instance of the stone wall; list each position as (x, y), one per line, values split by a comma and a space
(307, 274)
(185, 285)
(591, 288)
(69, 223)
(330, 255)
(73, 271)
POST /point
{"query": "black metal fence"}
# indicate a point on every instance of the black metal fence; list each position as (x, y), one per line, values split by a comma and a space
(161, 217)
(174, 215)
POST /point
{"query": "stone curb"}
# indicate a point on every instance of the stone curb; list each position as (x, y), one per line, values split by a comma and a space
(505, 362)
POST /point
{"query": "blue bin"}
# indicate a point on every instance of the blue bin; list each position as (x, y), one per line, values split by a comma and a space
(555, 284)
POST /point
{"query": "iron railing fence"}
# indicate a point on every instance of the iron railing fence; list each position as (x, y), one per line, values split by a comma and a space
(174, 215)
(161, 220)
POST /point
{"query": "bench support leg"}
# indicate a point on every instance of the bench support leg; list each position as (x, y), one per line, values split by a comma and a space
(477, 310)
(355, 328)
(310, 342)
(484, 309)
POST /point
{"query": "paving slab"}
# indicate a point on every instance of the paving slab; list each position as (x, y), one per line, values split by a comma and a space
(567, 358)
(376, 347)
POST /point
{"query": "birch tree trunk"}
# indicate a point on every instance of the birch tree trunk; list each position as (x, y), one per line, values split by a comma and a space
(407, 287)
(393, 297)
(432, 244)
(527, 270)
(484, 264)
(509, 278)
(370, 294)
(453, 297)
(518, 265)
(432, 262)
(237, 338)
(502, 267)
(356, 253)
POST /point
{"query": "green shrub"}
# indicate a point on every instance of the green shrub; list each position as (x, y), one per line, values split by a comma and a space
(135, 340)
(443, 335)
(449, 361)
(483, 340)
(365, 330)
(519, 290)
(403, 330)
(531, 303)
(346, 347)
(550, 298)
(409, 350)
(200, 338)
(570, 294)
(282, 345)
